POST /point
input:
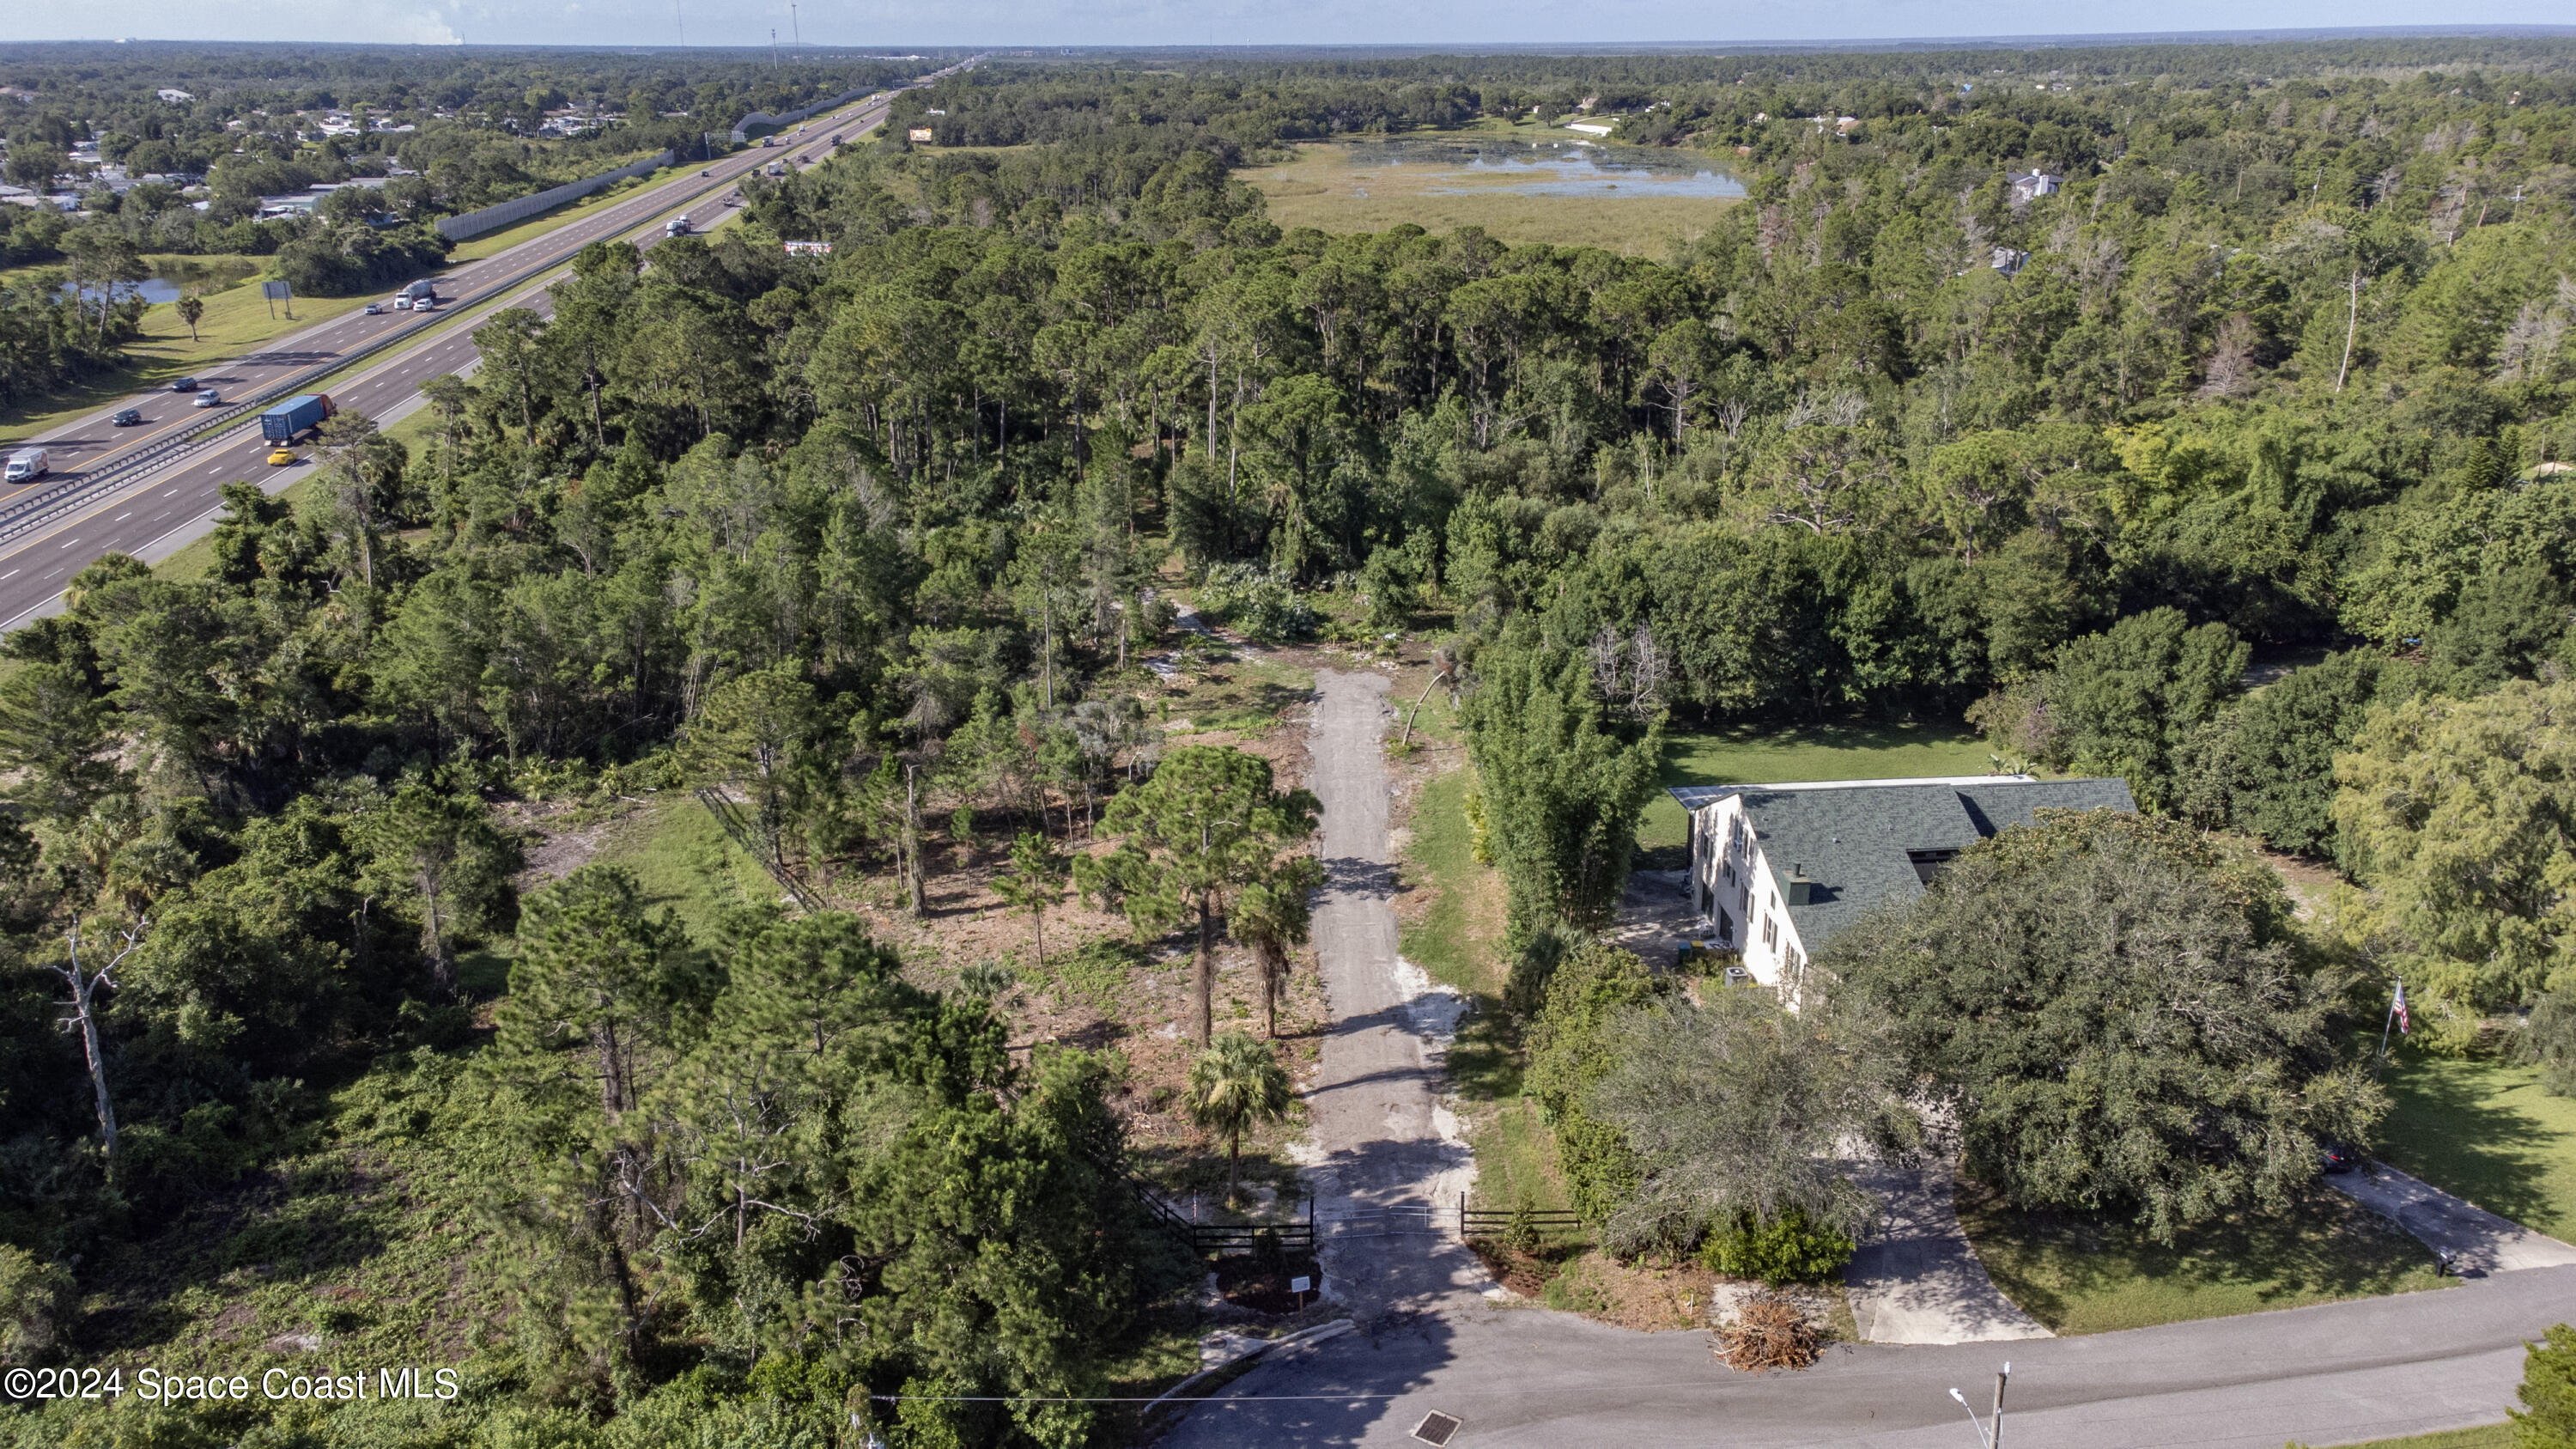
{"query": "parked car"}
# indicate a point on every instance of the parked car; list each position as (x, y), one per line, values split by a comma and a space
(280, 457)
(185, 384)
(210, 399)
(375, 309)
(126, 417)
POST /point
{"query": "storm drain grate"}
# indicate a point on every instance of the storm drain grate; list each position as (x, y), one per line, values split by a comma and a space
(1437, 1428)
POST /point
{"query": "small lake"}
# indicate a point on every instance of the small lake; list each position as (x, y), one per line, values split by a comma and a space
(1537, 168)
(154, 290)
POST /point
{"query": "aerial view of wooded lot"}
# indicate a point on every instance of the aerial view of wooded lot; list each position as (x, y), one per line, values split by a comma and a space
(816, 841)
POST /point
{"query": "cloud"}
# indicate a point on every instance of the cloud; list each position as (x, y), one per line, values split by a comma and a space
(428, 28)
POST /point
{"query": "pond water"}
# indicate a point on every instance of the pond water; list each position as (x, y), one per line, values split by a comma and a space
(1538, 168)
(154, 290)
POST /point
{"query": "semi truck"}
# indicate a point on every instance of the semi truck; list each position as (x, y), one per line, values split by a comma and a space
(676, 226)
(415, 293)
(295, 417)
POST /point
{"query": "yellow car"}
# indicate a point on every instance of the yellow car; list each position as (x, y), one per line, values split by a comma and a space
(280, 457)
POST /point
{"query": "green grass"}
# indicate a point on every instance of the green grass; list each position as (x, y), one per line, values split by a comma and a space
(2484, 1436)
(1458, 940)
(2082, 1274)
(683, 859)
(1324, 189)
(236, 322)
(2483, 1130)
(1813, 752)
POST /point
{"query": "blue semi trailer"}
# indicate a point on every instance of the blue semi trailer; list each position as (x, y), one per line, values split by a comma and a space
(296, 416)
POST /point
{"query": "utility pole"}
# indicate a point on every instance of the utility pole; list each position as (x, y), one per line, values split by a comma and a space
(773, 47)
(1990, 1432)
(795, 32)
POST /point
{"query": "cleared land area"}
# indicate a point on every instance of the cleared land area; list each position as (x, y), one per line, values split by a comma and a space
(1335, 188)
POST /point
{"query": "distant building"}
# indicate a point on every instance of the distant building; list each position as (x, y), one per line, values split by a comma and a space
(1777, 870)
(174, 97)
(2026, 189)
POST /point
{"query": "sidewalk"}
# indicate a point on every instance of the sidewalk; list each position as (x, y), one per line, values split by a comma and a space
(2476, 1241)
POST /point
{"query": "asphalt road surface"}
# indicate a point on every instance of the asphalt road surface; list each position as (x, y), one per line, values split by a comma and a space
(2333, 1374)
(34, 569)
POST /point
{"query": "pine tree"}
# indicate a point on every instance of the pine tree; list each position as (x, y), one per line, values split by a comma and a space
(1206, 825)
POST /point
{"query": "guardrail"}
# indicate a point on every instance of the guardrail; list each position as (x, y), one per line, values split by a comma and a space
(25, 515)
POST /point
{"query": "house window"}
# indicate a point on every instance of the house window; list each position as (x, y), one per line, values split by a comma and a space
(1725, 927)
(1770, 930)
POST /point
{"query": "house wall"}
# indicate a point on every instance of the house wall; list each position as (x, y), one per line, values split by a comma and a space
(1736, 891)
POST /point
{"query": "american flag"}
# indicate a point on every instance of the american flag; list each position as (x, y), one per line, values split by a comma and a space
(2404, 1027)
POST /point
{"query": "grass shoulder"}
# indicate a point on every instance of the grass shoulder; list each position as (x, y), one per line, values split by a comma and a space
(2083, 1273)
(237, 320)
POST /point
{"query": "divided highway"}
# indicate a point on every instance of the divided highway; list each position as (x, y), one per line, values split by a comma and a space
(37, 561)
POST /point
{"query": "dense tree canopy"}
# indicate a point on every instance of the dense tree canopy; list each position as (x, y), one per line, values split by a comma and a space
(2114, 1008)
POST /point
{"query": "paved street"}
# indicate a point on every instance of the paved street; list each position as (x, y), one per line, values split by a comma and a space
(2331, 1374)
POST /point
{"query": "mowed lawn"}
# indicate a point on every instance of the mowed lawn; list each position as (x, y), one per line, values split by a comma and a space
(237, 321)
(2077, 1273)
(1752, 755)
(2483, 1129)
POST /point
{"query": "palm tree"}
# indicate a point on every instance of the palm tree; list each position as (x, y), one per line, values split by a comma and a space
(1234, 1084)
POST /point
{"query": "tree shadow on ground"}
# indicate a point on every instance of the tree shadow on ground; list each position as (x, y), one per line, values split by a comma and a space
(2453, 1127)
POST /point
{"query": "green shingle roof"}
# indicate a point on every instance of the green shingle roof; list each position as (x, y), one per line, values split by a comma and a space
(1854, 838)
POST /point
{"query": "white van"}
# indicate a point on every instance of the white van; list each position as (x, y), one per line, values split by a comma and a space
(27, 465)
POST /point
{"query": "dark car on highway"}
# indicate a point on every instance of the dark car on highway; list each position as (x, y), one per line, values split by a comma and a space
(185, 384)
(127, 417)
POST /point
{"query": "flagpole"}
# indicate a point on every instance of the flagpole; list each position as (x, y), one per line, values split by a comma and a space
(2385, 1023)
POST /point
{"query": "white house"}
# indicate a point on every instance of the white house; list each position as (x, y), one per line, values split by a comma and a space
(1776, 870)
(2037, 184)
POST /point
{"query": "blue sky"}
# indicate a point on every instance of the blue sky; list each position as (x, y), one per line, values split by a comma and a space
(900, 23)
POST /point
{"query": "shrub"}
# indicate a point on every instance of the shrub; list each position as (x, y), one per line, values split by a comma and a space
(35, 1300)
(1258, 603)
(2552, 1041)
(1787, 1249)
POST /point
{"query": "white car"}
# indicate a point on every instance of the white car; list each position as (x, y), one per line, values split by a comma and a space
(210, 399)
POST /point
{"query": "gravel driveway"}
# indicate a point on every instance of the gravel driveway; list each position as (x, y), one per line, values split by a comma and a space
(1381, 1141)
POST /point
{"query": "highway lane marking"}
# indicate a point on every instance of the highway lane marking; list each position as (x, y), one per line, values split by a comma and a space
(68, 543)
(13, 573)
